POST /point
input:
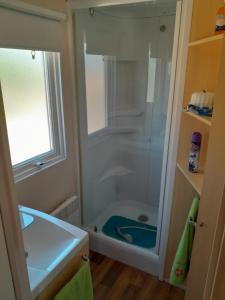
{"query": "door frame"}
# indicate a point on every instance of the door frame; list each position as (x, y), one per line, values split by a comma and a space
(178, 72)
(10, 216)
(7, 291)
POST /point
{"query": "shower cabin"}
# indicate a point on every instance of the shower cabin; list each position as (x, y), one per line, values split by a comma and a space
(124, 63)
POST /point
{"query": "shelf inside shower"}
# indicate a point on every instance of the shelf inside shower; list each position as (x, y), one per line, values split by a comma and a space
(115, 171)
(127, 113)
(123, 130)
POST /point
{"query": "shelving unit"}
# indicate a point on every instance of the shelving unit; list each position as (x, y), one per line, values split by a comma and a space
(202, 74)
(205, 71)
(203, 67)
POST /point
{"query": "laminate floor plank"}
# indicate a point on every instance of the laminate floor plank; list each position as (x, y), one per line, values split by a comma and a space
(149, 288)
(116, 291)
(101, 270)
(113, 280)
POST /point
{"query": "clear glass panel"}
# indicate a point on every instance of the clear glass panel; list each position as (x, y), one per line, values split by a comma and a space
(152, 68)
(26, 103)
(95, 92)
(122, 170)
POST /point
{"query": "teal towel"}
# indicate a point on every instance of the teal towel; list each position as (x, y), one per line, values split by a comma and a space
(183, 256)
(79, 287)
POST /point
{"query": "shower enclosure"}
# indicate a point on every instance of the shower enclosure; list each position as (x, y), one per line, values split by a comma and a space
(124, 56)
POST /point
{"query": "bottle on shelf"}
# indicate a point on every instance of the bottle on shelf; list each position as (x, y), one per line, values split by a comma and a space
(194, 152)
(220, 20)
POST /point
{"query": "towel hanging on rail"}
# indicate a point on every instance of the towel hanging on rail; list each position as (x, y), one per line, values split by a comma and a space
(183, 256)
(80, 286)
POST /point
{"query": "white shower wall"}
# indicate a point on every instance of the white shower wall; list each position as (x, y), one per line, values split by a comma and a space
(124, 161)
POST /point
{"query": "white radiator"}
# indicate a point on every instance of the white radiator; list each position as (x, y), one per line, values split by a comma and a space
(68, 211)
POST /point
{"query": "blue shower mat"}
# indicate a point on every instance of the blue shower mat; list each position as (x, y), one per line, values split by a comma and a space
(142, 238)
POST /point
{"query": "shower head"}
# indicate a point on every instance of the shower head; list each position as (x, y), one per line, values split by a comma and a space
(126, 236)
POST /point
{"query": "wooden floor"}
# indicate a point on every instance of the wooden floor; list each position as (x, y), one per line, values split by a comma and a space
(115, 281)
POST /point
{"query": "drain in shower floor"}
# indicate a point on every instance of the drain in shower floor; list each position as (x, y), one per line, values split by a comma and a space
(143, 218)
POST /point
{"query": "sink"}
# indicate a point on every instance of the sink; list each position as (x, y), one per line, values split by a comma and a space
(49, 244)
(36, 277)
(25, 220)
(46, 244)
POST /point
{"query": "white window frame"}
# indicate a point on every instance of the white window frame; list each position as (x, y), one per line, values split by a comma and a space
(56, 117)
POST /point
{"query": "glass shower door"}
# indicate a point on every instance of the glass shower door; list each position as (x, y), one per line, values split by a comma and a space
(125, 76)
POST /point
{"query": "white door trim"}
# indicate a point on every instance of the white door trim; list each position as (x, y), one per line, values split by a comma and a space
(182, 32)
(10, 216)
(6, 283)
(168, 127)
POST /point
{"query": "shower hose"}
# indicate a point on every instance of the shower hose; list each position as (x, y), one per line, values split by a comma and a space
(137, 227)
(128, 237)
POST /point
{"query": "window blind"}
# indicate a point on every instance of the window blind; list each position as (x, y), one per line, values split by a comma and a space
(25, 30)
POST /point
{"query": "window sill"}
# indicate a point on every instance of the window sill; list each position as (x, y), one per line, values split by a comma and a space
(35, 168)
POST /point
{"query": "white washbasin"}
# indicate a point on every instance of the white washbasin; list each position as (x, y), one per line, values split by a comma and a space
(50, 243)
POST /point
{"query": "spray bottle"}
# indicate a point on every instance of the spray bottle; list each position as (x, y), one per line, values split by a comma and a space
(194, 152)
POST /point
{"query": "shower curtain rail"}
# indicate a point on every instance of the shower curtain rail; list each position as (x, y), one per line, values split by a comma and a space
(134, 18)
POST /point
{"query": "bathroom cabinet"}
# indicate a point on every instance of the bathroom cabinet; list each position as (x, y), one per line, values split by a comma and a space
(205, 71)
(65, 275)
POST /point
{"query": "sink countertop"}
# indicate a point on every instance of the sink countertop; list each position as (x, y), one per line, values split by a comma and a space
(50, 244)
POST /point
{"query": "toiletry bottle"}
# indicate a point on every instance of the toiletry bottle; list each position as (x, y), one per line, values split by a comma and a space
(194, 152)
(220, 20)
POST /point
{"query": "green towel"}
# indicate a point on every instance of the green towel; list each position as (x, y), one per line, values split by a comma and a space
(79, 287)
(182, 259)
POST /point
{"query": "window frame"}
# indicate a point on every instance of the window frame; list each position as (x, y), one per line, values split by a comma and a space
(54, 97)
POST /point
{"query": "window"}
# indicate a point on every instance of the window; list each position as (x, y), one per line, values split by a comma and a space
(152, 68)
(31, 88)
(95, 92)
